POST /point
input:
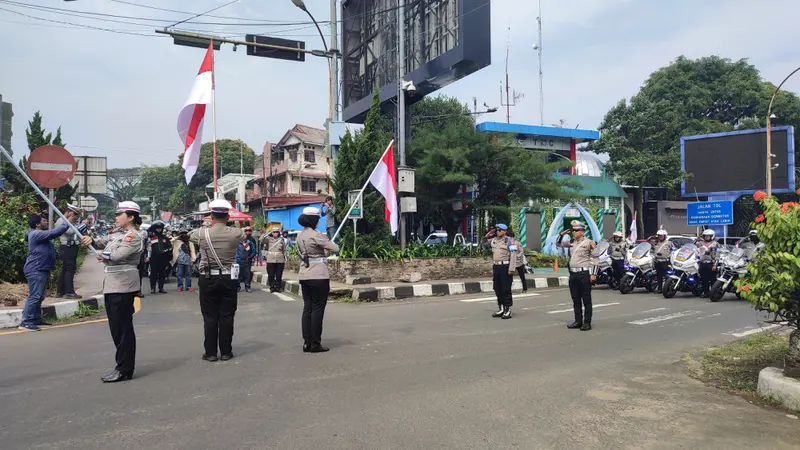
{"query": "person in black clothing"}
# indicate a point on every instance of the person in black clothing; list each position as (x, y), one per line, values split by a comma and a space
(158, 257)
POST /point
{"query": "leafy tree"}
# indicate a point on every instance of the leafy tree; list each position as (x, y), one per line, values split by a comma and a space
(123, 183)
(158, 183)
(688, 97)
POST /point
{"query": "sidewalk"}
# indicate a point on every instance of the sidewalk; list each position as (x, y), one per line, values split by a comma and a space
(371, 292)
(88, 283)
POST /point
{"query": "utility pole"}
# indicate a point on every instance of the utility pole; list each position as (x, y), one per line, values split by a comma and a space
(334, 50)
(538, 48)
(401, 101)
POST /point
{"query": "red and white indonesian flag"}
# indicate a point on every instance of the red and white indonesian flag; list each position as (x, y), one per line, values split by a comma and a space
(383, 178)
(190, 119)
(633, 236)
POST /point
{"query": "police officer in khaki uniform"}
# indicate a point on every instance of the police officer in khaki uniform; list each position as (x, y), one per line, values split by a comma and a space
(661, 251)
(68, 253)
(580, 280)
(504, 263)
(219, 280)
(122, 249)
(314, 278)
(275, 245)
(707, 268)
(617, 250)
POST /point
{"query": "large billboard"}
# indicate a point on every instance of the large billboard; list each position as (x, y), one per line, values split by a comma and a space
(445, 40)
(735, 163)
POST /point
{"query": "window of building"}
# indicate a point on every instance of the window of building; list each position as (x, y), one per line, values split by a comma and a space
(310, 156)
(308, 185)
(293, 155)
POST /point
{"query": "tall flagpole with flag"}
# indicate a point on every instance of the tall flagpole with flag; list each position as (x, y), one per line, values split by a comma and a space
(214, 116)
(192, 115)
(384, 179)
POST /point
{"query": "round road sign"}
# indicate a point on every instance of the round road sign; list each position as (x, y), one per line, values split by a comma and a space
(51, 166)
(87, 203)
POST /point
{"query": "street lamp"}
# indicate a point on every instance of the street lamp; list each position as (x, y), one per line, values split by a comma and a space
(771, 116)
(301, 5)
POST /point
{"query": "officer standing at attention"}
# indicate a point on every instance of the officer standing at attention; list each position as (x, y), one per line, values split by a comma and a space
(159, 255)
(617, 250)
(314, 278)
(122, 249)
(219, 279)
(580, 280)
(504, 263)
(661, 251)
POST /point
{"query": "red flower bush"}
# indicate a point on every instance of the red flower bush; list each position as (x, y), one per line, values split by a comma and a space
(760, 195)
(760, 219)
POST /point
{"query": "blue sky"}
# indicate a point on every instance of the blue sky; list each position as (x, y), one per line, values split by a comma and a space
(118, 95)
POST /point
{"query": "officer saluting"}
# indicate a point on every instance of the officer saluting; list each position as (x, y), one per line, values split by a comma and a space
(580, 280)
(219, 279)
(504, 263)
(122, 249)
(617, 250)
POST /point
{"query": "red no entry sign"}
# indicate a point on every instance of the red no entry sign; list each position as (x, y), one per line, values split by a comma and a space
(51, 166)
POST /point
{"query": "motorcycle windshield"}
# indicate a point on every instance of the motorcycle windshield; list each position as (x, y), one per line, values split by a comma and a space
(686, 252)
(641, 250)
(602, 248)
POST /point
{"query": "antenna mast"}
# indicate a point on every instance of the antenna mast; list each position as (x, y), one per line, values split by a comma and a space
(538, 48)
(511, 96)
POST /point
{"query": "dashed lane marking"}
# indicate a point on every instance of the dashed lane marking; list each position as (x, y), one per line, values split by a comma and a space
(741, 334)
(281, 296)
(656, 319)
(483, 299)
(599, 305)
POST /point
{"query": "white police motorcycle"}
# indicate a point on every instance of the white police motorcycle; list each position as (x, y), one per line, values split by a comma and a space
(603, 270)
(732, 266)
(639, 270)
(683, 274)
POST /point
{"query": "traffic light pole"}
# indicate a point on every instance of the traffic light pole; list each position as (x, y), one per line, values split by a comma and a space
(184, 34)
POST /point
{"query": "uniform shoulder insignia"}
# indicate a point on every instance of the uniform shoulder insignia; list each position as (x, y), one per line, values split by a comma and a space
(129, 237)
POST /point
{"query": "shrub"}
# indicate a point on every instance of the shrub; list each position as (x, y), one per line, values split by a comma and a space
(14, 213)
(773, 280)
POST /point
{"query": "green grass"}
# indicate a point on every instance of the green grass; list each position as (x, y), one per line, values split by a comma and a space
(734, 367)
(84, 312)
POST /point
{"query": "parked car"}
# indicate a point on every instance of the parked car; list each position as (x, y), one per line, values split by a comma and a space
(440, 237)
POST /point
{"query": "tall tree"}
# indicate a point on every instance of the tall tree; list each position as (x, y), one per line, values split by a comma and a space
(687, 97)
(122, 183)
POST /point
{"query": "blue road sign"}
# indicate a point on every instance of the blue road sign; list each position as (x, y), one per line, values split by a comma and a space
(709, 213)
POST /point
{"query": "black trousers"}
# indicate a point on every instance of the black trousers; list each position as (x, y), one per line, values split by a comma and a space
(218, 302)
(501, 282)
(315, 298)
(158, 270)
(275, 276)
(618, 266)
(68, 254)
(707, 275)
(245, 274)
(580, 288)
(661, 272)
(119, 309)
(521, 273)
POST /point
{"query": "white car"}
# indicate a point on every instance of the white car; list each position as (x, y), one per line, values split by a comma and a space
(440, 237)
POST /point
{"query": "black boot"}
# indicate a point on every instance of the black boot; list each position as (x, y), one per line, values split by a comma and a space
(506, 312)
(587, 325)
(499, 312)
(117, 376)
(575, 325)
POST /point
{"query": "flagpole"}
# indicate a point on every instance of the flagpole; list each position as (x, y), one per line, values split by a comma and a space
(361, 192)
(214, 115)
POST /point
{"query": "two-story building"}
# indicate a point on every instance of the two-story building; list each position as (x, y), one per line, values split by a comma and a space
(296, 165)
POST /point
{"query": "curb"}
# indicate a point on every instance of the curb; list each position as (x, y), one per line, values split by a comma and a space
(11, 318)
(774, 385)
(374, 294)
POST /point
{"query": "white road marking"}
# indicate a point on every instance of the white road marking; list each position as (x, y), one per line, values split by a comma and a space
(755, 330)
(281, 296)
(676, 315)
(545, 306)
(483, 299)
(599, 305)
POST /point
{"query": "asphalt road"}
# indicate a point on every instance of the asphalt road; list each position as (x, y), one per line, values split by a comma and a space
(436, 373)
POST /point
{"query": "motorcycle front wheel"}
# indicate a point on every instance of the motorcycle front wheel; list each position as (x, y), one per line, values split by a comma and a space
(670, 288)
(626, 285)
(717, 292)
